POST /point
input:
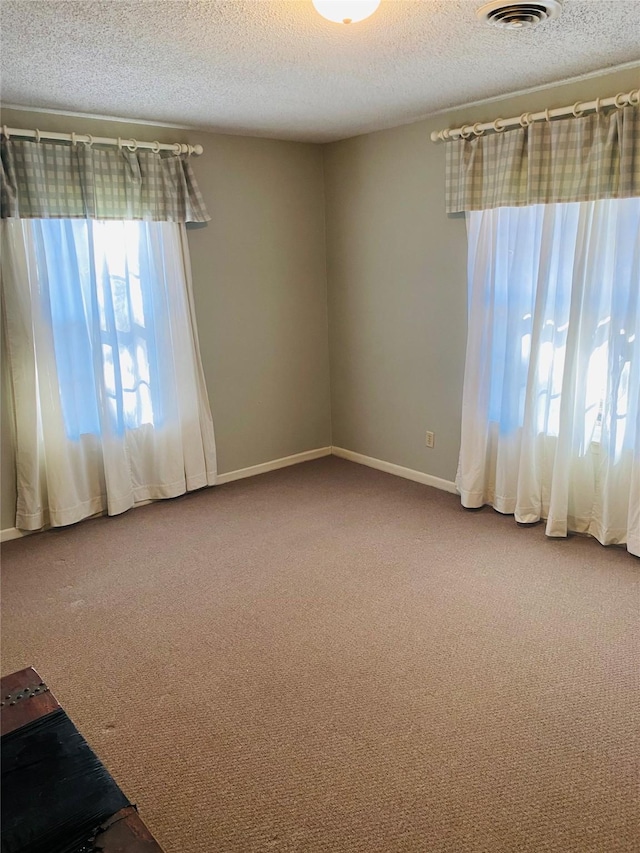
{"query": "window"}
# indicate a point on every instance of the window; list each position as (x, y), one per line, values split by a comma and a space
(561, 277)
(109, 396)
(100, 295)
(551, 400)
(110, 400)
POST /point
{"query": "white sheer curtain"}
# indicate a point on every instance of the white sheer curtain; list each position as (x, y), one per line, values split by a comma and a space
(110, 402)
(551, 406)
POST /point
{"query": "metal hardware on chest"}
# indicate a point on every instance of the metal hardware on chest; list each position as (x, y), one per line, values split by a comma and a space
(25, 693)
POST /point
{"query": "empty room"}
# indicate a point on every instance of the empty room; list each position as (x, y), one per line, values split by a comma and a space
(320, 426)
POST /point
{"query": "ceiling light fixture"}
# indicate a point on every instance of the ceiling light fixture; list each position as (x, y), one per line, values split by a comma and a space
(346, 11)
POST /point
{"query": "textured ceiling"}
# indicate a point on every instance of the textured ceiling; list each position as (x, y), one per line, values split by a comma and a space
(274, 68)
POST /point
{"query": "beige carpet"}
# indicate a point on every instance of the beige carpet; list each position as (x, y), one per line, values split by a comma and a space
(328, 658)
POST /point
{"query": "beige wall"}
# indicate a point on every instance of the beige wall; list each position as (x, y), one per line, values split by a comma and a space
(396, 268)
(260, 291)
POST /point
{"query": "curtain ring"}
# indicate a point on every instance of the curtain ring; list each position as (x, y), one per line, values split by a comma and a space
(177, 148)
(525, 119)
(89, 141)
(446, 134)
(465, 131)
(37, 135)
(478, 131)
(577, 112)
(498, 127)
(597, 106)
(546, 115)
(155, 147)
(619, 104)
(74, 141)
(132, 146)
(120, 143)
(634, 97)
(5, 132)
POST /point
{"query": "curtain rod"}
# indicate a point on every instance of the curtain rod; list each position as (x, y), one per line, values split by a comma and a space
(620, 100)
(129, 144)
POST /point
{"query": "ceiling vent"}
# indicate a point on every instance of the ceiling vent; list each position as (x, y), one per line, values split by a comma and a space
(518, 14)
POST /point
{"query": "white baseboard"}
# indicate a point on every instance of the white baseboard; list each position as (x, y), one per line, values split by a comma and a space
(398, 470)
(13, 533)
(273, 465)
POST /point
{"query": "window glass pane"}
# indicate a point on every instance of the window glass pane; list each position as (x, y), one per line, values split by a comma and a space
(561, 285)
(100, 294)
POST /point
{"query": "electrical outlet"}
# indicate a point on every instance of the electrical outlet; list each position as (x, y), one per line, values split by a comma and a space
(430, 439)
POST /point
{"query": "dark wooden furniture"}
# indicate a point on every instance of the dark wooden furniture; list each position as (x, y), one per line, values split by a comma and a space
(24, 697)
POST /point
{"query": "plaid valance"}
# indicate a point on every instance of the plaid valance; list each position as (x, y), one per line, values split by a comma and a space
(576, 159)
(50, 180)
